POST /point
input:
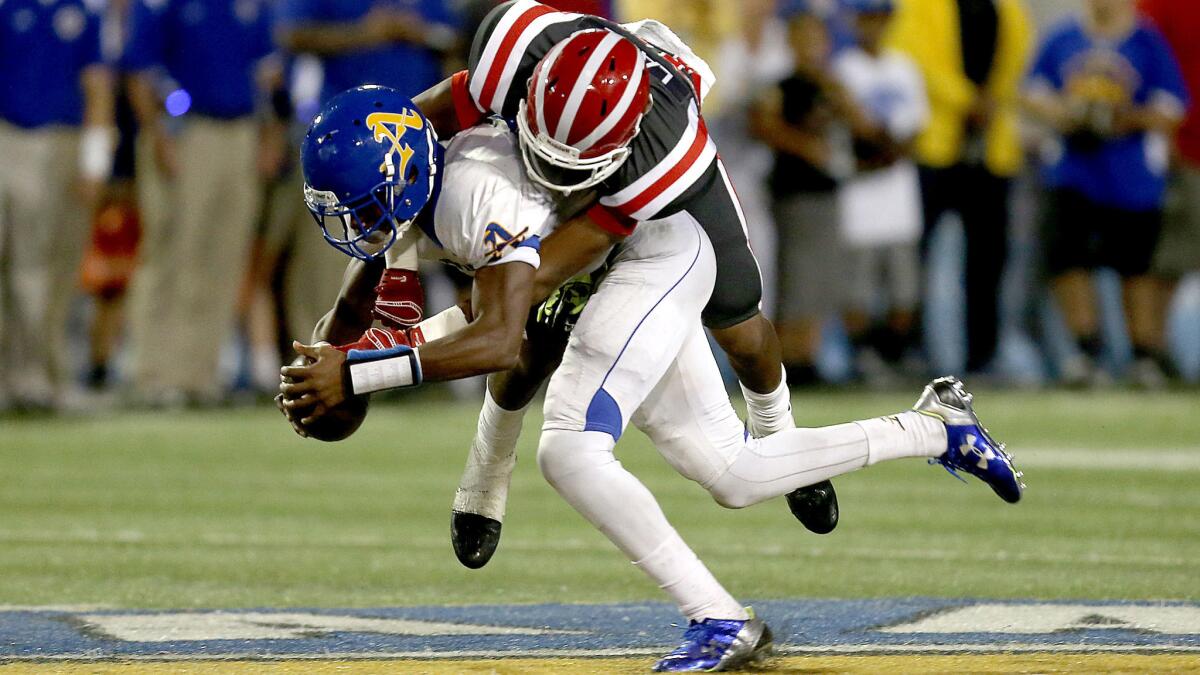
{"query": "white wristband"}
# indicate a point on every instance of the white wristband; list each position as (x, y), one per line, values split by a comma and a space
(438, 326)
(96, 152)
(368, 377)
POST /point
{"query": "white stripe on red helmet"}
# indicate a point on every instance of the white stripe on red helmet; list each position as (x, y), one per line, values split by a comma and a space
(583, 107)
(582, 85)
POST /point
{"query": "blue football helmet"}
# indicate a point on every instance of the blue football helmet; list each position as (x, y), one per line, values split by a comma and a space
(370, 162)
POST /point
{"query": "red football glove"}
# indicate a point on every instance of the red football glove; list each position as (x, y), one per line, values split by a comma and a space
(379, 338)
(400, 300)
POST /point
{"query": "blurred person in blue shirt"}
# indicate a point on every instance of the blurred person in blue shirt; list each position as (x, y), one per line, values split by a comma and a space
(194, 67)
(397, 43)
(56, 140)
(1109, 86)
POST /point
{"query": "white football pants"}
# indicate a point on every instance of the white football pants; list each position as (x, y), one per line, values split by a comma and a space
(639, 353)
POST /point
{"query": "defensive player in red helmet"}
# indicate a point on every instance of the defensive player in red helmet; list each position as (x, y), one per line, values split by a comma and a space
(374, 174)
(611, 112)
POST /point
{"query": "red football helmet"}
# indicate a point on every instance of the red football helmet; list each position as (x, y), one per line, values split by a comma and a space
(585, 101)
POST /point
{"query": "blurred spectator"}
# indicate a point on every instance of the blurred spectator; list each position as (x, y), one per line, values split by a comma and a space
(799, 120)
(701, 24)
(972, 55)
(1179, 247)
(750, 60)
(56, 140)
(111, 256)
(107, 267)
(397, 43)
(198, 185)
(881, 205)
(1108, 84)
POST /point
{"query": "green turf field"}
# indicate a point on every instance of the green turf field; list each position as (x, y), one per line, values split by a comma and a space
(229, 509)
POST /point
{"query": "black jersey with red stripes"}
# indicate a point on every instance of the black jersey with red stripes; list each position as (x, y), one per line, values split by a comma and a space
(671, 156)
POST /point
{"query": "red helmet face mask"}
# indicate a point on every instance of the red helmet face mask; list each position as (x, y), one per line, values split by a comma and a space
(585, 101)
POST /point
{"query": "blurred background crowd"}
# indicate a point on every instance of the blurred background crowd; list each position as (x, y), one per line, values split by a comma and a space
(1004, 188)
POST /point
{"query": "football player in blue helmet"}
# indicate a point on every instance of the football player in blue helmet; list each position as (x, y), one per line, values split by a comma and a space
(638, 354)
(340, 160)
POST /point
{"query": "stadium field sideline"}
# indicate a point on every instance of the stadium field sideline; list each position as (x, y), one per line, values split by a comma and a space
(122, 537)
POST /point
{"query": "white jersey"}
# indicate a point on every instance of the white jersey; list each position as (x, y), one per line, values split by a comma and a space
(883, 207)
(889, 87)
(488, 212)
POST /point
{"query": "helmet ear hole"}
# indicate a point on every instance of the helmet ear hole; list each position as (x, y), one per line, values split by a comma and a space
(351, 158)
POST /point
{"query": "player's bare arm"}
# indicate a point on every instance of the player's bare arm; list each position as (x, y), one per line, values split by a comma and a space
(351, 313)
(437, 104)
(490, 343)
(569, 250)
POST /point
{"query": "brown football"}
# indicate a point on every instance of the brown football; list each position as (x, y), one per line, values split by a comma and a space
(337, 424)
(340, 422)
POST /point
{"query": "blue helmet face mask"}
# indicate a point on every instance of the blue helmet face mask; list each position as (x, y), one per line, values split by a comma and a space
(370, 162)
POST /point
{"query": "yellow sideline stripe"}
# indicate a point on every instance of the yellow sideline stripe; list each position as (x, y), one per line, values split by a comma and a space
(916, 664)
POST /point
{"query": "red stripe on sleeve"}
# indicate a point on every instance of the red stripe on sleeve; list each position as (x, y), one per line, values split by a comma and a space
(656, 188)
(496, 68)
(612, 221)
(465, 111)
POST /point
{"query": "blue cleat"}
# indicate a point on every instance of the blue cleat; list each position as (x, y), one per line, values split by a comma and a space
(718, 644)
(970, 448)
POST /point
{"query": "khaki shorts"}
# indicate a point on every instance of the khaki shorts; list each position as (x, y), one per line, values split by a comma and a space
(891, 274)
(812, 259)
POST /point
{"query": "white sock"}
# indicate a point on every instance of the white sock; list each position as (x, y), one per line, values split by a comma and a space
(773, 466)
(483, 488)
(694, 589)
(908, 434)
(581, 467)
(767, 414)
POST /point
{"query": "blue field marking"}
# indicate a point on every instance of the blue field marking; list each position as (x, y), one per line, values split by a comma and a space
(835, 626)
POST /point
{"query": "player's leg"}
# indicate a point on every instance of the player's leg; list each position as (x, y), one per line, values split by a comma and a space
(30, 248)
(219, 203)
(477, 515)
(749, 340)
(689, 419)
(63, 263)
(733, 313)
(1129, 250)
(154, 309)
(629, 333)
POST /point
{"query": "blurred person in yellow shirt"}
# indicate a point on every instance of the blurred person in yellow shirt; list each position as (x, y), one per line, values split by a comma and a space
(972, 55)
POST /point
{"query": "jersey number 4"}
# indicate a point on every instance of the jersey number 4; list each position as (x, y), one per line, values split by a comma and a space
(496, 239)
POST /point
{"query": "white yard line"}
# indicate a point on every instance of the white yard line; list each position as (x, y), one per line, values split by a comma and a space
(1001, 648)
(230, 539)
(1130, 459)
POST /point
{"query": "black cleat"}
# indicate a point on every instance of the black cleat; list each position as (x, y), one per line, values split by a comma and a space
(815, 506)
(475, 538)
